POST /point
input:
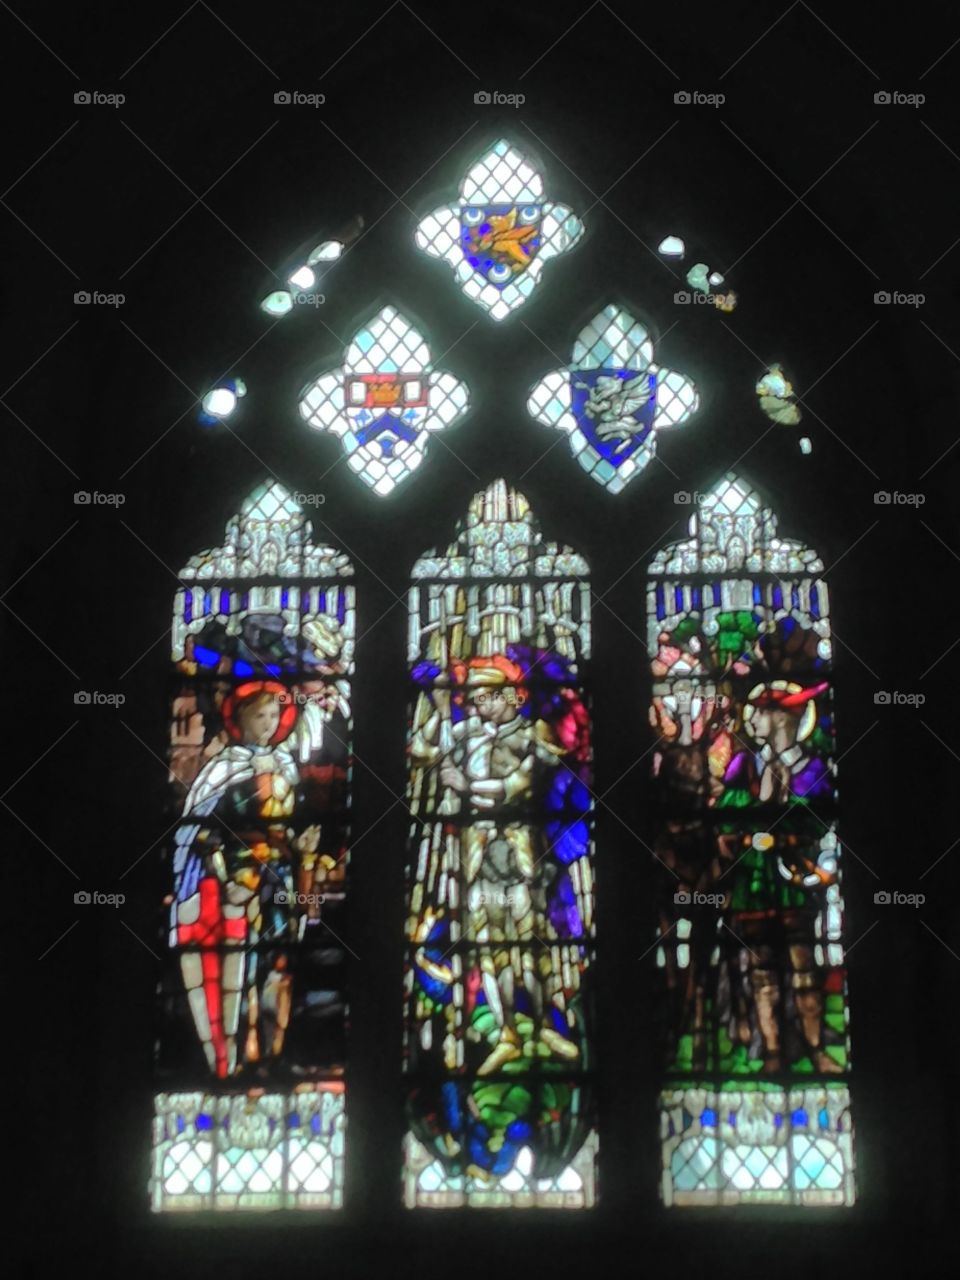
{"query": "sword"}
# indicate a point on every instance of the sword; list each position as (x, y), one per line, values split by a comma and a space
(450, 802)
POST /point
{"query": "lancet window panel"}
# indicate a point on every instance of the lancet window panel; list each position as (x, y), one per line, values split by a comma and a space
(500, 881)
(752, 991)
(251, 1053)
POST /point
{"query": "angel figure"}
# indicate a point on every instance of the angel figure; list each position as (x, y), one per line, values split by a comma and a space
(487, 764)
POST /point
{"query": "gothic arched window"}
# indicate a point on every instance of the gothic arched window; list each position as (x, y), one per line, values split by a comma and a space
(500, 885)
(755, 1101)
(499, 1031)
(252, 1036)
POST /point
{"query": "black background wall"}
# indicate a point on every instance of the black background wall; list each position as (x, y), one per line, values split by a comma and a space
(187, 199)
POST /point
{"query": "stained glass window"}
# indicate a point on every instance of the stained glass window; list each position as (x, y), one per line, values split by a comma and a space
(755, 1104)
(385, 401)
(612, 400)
(251, 1048)
(499, 1023)
(500, 232)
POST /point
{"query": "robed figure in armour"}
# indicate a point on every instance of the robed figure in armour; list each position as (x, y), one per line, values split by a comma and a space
(238, 865)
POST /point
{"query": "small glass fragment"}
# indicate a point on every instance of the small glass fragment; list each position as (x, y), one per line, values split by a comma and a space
(775, 392)
(303, 278)
(278, 303)
(329, 251)
(220, 401)
(697, 277)
(725, 301)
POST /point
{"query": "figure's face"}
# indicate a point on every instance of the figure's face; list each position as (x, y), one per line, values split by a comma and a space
(326, 697)
(495, 705)
(259, 722)
(774, 726)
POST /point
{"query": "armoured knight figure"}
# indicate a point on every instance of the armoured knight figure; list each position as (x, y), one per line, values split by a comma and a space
(235, 866)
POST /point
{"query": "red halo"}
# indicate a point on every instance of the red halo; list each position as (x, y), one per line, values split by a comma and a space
(288, 710)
